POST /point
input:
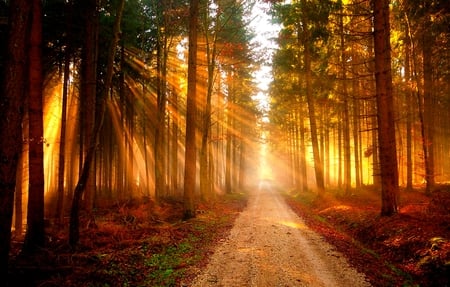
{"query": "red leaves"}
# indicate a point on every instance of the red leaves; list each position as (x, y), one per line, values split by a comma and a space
(412, 246)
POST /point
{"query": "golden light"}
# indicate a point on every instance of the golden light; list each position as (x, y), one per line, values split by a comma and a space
(292, 224)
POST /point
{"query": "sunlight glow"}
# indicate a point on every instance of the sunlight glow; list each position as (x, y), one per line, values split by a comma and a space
(293, 224)
(52, 127)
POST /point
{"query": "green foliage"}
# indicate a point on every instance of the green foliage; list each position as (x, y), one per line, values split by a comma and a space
(164, 266)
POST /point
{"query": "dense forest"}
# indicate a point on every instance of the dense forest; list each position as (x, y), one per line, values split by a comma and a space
(113, 102)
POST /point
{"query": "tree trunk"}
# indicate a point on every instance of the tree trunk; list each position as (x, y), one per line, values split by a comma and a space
(303, 165)
(428, 107)
(205, 183)
(318, 168)
(88, 93)
(345, 112)
(35, 234)
(74, 232)
(174, 144)
(409, 104)
(229, 137)
(191, 118)
(385, 112)
(11, 109)
(356, 123)
(159, 145)
(18, 210)
(62, 137)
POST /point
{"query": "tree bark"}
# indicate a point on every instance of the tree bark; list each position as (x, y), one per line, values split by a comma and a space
(318, 167)
(385, 112)
(11, 109)
(88, 94)
(191, 117)
(59, 215)
(428, 106)
(345, 112)
(100, 110)
(35, 234)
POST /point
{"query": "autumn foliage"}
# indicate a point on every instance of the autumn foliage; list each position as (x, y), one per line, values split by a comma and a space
(406, 249)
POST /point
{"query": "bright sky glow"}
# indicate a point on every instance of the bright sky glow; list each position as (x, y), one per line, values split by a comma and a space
(263, 44)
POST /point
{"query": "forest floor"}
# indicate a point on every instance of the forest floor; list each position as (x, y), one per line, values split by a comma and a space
(411, 248)
(149, 245)
(129, 245)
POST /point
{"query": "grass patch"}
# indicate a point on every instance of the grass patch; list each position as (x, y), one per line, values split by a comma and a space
(166, 267)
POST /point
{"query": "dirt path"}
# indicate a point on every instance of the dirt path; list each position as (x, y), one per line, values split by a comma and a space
(270, 246)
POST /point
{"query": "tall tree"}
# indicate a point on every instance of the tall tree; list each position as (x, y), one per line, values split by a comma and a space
(161, 90)
(35, 235)
(191, 119)
(84, 176)
(385, 111)
(11, 109)
(428, 99)
(307, 42)
(62, 137)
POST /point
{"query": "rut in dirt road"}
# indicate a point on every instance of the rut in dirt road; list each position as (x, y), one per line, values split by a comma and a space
(270, 245)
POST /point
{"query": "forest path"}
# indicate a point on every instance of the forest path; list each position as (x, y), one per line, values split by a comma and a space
(270, 246)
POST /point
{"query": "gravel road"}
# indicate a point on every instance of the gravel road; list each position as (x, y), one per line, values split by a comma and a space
(270, 246)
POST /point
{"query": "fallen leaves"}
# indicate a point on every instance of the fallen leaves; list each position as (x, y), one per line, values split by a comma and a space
(410, 248)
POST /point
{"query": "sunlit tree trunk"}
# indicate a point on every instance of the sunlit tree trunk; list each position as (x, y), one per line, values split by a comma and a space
(385, 112)
(326, 149)
(131, 177)
(409, 116)
(305, 41)
(144, 135)
(59, 215)
(35, 234)
(191, 110)
(428, 106)
(211, 51)
(243, 156)
(303, 165)
(159, 145)
(229, 136)
(356, 122)
(18, 210)
(294, 149)
(174, 143)
(345, 111)
(371, 112)
(339, 151)
(318, 168)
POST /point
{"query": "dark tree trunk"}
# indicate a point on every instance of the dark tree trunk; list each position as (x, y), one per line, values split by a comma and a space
(11, 109)
(385, 112)
(428, 107)
(35, 235)
(318, 167)
(307, 54)
(88, 93)
(74, 232)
